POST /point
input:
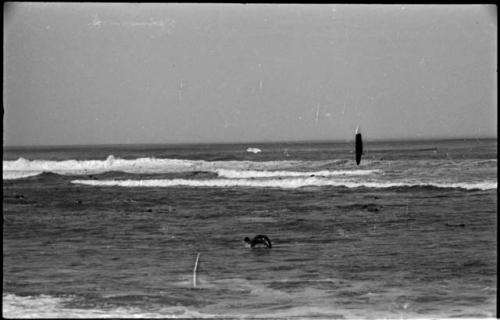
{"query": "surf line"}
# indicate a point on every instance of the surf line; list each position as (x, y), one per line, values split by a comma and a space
(194, 270)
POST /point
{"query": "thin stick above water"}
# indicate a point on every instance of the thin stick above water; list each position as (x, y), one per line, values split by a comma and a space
(194, 270)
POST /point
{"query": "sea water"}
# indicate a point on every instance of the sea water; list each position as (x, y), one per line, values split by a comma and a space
(114, 231)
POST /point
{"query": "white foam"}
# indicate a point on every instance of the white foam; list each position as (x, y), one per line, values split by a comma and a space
(286, 183)
(140, 165)
(45, 306)
(22, 307)
(229, 173)
(23, 168)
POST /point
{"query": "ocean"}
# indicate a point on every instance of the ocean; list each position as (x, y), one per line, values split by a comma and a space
(114, 231)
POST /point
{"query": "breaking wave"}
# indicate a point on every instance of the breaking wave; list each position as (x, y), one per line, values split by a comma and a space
(259, 174)
(99, 166)
(284, 183)
(22, 168)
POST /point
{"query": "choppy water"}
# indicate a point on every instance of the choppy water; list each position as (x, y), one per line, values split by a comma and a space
(114, 231)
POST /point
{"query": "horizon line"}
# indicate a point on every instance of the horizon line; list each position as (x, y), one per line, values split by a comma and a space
(244, 142)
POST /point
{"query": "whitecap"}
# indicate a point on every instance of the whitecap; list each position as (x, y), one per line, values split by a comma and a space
(254, 150)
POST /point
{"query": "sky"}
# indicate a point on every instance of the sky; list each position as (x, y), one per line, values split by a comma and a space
(118, 73)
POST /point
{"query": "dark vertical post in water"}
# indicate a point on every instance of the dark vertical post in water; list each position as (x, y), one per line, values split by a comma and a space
(359, 148)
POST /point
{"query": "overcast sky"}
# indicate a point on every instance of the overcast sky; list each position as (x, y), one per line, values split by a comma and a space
(93, 73)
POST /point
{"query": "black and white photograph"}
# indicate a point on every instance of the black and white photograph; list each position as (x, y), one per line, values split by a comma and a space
(249, 160)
